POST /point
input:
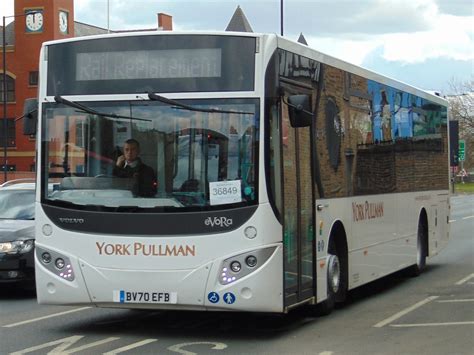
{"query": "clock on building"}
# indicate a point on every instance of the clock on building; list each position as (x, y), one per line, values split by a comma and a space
(63, 22)
(34, 20)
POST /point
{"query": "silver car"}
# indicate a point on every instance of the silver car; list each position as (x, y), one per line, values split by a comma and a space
(17, 238)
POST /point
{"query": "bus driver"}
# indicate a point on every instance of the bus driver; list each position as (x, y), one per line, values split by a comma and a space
(129, 165)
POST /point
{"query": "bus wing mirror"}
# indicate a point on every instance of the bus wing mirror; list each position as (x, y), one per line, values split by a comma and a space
(30, 116)
(299, 109)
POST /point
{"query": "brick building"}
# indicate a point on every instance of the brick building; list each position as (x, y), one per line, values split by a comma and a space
(51, 20)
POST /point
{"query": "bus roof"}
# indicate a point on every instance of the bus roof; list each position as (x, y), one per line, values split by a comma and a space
(283, 43)
(307, 51)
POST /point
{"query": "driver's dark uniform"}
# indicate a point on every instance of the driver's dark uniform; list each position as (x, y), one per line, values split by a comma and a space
(144, 177)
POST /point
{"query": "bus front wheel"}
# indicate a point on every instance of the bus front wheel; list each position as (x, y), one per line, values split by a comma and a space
(336, 288)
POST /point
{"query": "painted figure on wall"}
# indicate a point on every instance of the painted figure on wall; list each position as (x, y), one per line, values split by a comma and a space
(386, 119)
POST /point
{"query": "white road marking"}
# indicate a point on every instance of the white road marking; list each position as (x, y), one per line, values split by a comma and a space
(454, 301)
(467, 278)
(326, 353)
(87, 346)
(178, 347)
(452, 220)
(468, 217)
(63, 346)
(45, 317)
(405, 311)
(131, 346)
(430, 324)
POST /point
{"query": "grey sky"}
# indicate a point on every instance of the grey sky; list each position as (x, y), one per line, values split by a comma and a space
(425, 43)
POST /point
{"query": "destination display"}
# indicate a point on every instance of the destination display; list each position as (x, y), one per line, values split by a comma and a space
(149, 64)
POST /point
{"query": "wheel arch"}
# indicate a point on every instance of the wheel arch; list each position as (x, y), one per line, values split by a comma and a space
(338, 237)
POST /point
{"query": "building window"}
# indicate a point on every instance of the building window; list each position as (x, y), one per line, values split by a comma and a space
(10, 89)
(33, 78)
(80, 134)
(11, 133)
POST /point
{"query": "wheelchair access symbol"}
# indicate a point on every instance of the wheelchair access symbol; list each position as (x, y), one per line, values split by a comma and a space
(213, 297)
(229, 298)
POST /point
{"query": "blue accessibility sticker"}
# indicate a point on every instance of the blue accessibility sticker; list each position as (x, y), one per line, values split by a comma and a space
(213, 297)
(229, 298)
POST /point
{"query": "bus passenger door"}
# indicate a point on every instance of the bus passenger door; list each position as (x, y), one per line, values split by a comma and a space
(298, 208)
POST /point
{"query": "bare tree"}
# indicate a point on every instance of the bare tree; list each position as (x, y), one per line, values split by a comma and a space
(461, 104)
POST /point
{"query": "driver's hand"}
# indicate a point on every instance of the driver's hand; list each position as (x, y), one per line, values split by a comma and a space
(120, 161)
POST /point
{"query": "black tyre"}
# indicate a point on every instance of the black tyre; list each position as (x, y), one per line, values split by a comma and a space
(421, 250)
(336, 284)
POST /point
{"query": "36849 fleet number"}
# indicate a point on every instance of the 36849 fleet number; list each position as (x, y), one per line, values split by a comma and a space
(222, 191)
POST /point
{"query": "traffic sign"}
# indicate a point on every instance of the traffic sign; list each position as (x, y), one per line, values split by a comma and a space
(461, 152)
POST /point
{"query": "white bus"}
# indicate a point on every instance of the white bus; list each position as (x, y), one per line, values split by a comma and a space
(284, 177)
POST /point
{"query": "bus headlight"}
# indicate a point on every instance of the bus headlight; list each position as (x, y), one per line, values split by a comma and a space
(251, 261)
(235, 266)
(241, 265)
(59, 263)
(46, 258)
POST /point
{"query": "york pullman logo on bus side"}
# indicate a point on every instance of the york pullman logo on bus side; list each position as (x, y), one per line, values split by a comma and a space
(367, 210)
(68, 220)
(221, 222)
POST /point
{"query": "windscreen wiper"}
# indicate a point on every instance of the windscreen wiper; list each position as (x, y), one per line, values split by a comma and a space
(26, 114)
(155, 97)
(82, 108)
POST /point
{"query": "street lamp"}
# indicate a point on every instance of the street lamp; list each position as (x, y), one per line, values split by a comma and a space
(5, 123)
(281, 17)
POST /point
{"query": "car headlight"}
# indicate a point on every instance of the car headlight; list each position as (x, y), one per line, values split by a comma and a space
(17, 246)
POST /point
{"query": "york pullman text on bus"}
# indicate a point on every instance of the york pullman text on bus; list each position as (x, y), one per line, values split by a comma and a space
(262, 174)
